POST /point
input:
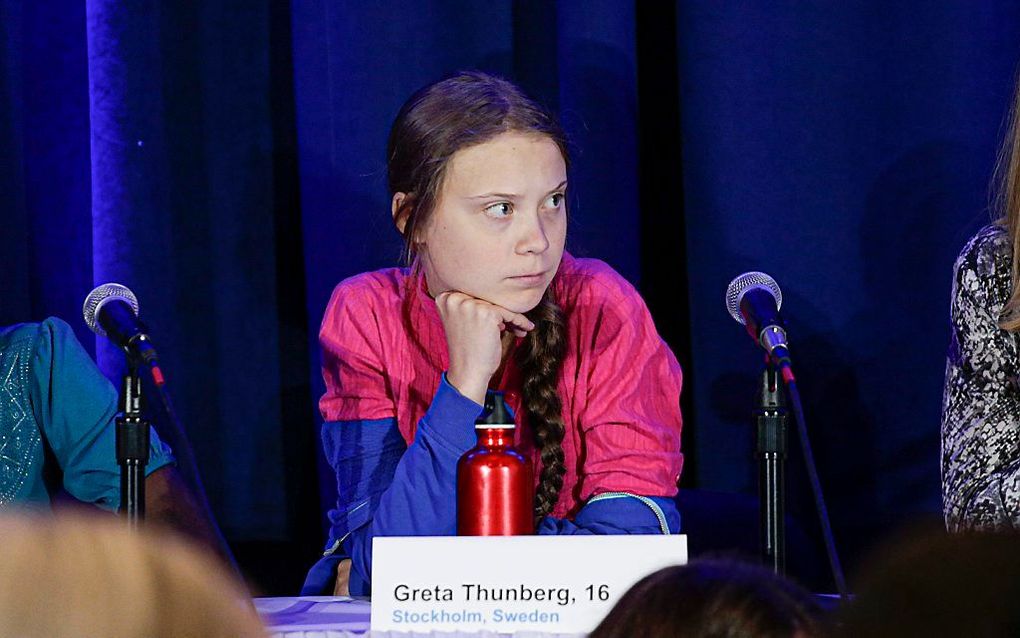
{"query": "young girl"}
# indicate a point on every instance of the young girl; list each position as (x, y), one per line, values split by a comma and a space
(478, 177)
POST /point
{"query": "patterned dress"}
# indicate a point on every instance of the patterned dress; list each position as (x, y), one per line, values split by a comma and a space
(981, 405)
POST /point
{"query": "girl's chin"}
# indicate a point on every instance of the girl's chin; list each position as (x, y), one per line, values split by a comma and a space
(521, 303)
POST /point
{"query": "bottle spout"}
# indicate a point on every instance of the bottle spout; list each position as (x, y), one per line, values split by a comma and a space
(495, 413)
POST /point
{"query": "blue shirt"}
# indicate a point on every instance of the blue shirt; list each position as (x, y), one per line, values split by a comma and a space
(57, 420)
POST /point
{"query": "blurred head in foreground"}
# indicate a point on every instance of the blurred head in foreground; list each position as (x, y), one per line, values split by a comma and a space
(939, 585)
(717, 598)
(77, 574)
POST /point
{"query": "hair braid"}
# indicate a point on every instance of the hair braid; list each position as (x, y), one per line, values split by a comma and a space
(539, 359)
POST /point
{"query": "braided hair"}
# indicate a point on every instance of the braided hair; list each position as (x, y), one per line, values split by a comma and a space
(540, 359)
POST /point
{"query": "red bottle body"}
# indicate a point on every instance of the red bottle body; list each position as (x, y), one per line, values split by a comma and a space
(494, 487)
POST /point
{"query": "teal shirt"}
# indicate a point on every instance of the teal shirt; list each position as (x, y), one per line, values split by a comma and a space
(57, 420)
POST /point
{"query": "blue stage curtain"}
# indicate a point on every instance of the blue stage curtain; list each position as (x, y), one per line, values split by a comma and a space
(45, 244)
(226, 161)
(846, 149)
(142, 151)
(183, 213)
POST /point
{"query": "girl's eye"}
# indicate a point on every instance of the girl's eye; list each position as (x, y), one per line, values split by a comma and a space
(554, 201)
(501, 209)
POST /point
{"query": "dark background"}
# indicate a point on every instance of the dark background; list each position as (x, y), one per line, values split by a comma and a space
(225, 160)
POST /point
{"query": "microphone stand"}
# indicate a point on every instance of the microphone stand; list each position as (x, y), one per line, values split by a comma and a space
(753, 299)
(132, 446)
(770, 417)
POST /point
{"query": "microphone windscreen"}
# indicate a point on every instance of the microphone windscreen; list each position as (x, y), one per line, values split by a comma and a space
(749, 280)
(101, 295)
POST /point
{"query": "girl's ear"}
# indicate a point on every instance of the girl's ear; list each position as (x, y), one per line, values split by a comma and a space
(401, 209)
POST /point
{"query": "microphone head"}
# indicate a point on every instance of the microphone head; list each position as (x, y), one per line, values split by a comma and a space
(104, 294)
(749, 281)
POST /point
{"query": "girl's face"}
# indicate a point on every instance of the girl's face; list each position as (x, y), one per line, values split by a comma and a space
(500, 221)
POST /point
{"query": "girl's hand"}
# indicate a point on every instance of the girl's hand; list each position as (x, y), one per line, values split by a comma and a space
(343, 578)
(474, 329)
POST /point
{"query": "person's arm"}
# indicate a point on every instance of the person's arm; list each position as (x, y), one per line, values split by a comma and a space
(76, 406)
(630, 421)
(618, 513)
(422, 498)
(981, 403)
(170, 503)
(386, 488)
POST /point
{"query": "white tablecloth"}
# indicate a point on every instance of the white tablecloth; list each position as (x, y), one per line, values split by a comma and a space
(342, 617)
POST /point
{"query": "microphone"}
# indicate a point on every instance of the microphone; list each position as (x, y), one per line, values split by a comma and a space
(753, 299)
(111, 311)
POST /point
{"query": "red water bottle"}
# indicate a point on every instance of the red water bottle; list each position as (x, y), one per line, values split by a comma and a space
(494, 481)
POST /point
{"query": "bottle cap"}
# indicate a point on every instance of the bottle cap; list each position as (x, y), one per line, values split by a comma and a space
(495, 413)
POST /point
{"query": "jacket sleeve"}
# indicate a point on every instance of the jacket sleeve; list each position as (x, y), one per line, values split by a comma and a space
(385, 487)
(981, 403)
(76, 406)
(618, 513)
(631, 422)
(388, 489)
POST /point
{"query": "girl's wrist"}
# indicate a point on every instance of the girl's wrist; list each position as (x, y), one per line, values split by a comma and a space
(471, 387)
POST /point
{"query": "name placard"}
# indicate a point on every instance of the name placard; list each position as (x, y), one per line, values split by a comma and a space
(557, 584)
